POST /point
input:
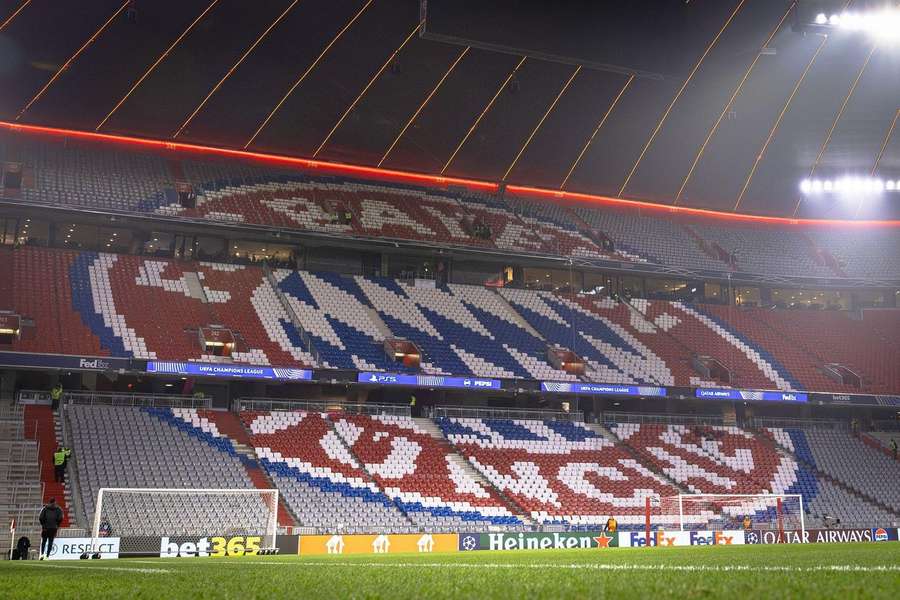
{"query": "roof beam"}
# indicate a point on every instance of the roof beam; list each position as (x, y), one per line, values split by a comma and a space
(234, 67)
(305, 73)
(366, 89)
(161, 58)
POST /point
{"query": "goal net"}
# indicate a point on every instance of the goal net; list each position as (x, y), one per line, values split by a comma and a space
(714, 512)
(186, 522)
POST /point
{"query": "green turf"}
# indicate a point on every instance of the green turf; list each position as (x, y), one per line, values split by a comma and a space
(844, 571)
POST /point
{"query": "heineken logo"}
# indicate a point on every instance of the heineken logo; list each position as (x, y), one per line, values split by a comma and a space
(537, 541)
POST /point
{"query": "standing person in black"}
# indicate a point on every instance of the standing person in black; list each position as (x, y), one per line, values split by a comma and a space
(51, 518)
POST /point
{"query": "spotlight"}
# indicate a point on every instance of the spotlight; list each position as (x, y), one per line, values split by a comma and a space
(828, 185)
(821, 19)
(805, 186)
(816, 186)
(834, 20)
(890, 185)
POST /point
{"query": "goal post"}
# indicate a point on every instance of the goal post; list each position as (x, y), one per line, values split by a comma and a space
(181, 521)
(712, 512)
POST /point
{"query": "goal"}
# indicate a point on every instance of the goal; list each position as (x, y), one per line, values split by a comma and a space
(186, 522)
(713, 512)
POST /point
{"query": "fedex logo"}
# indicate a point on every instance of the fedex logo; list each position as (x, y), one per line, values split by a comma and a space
(714, 538)
(657, 538)
(93, 364)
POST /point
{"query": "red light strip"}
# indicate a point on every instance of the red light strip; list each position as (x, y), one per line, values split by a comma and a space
(418, 178)
(72, 58)
(234, 67)
(684, 210)
(161, 58)
(305, 73)
(484, 112)
(541, 122)
(774, 129)
(596, 131)
(366, 89)
(422, 106)
(687, 81)
(834, 123)
(729, 104)
(14, 15)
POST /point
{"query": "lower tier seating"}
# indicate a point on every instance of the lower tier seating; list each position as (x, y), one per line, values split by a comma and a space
(127, 447)
(417, 472)
(559, 472)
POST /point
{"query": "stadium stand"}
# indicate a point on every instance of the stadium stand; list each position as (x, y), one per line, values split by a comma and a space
(822, 496)
(87, 175)
(323, 484)
(418, 473)
(121, 446)
(560, 472)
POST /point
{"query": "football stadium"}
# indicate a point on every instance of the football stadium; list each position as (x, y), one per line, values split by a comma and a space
(450, 298)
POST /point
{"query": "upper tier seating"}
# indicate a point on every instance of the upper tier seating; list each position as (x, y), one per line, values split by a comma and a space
(98, 176)
(751, 365)
(461, 330)
(118, 446)
(85, 303)
(611, 353)
(822, 497)
(417, 471)
(558, 471)
(805, 340)
(46, 288)
(324, 485)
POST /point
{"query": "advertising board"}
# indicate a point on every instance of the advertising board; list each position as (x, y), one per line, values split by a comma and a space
(378, 544)
(536, 541)
(638, 539)
(821, 536)
(73, 548)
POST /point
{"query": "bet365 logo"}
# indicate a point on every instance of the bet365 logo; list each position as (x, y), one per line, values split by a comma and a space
(215, 546)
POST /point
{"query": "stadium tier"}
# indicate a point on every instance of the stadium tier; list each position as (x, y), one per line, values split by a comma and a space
(85, 175)
(560, 472)
(102, 304)
(360, 473)
(126, 447)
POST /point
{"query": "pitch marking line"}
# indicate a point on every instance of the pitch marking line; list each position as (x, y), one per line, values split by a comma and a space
(607, 567)
(45, 565)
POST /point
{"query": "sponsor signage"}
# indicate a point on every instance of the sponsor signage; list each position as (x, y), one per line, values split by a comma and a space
(602, 389)
(216, 546)
(438, 381)
(821, 536)
(749, 395)
(57, 361)
(228, 370)
(378, 544)
(658, 538)
(536, 541)
(73, 548)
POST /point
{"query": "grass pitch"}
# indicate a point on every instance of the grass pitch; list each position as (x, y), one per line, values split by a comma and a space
(843, 571)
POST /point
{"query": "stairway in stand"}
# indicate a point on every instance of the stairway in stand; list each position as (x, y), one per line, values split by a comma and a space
(230, 426)
(40, 425)
(428, 426)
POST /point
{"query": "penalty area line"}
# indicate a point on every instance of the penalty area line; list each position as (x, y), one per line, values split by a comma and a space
(45, 565)
(605, 567)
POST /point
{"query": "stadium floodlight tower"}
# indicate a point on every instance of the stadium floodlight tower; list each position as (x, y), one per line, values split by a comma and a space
(714, 512)
(215, 522)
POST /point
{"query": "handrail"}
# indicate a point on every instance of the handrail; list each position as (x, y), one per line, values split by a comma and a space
(486, 412)
(287, 404)
(292, 315)
(136, 399)
(800, 423)
(621, 417)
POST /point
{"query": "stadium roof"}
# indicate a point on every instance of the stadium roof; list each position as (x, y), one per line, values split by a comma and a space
(724, 107)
